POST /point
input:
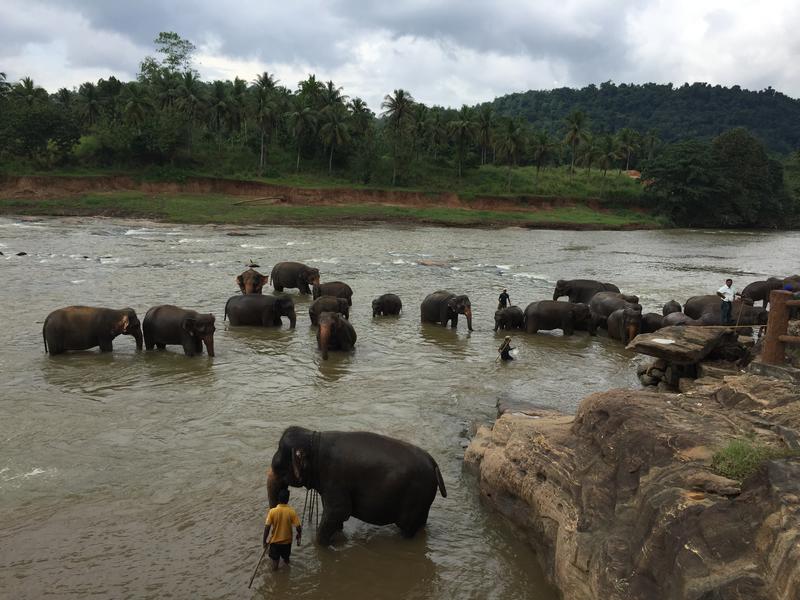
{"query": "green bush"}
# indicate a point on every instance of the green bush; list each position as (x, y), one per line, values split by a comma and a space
(741, 458)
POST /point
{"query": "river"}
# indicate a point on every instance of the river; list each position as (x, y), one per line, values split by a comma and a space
(142, 475)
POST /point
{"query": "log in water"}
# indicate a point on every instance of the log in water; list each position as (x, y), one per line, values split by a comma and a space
(142, 475)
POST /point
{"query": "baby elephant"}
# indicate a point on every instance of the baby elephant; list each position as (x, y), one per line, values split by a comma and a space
(334, 333)
(509, 318)
(387, 304)
(327, 304)
(167, 324)
(84, 327)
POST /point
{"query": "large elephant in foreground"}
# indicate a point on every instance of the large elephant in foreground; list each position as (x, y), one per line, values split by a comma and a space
(760, 290)
(551, 314)
(511, 317)
(255, 309)
(294, 275)
(328, 304)
(443, 306)
(624, 324)
(709, 307)
(581, 290)
(251, 281)
(167, 324)
(374, 478)
(84, 327)
(337, 289)
(335, 333)
(603, 304)
(386, 304)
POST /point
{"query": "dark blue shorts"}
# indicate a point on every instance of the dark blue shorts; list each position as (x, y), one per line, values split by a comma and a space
(277, 551)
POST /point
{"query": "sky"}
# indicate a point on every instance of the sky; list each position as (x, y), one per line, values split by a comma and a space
(450, 52)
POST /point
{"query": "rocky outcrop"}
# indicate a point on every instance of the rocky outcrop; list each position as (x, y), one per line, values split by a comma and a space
(620, 501)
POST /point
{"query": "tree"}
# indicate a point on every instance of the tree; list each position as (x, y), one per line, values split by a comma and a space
(436, 130)
(542, 147)
(628, 140)
(590, 151)
(608, 154)
(334, 130)
(89, 102)
(5, 87)
(462, 131)
(397, 109)
(485, 129)
(190, 98)
(28, 92)
(177, 52)
(577, 129)
(136, 104)
(302, 124)
(510, 143)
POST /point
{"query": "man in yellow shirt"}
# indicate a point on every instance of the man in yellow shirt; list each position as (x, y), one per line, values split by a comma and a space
(280, 520)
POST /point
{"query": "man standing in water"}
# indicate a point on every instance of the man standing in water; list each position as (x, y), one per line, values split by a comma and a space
(505, 349)
(503, 300)
(280, 519)
(728, 293)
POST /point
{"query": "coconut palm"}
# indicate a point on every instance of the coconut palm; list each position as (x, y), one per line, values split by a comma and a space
(28, 91)
(485, 130)
(463, 130)
(191, 99)
(311, 91)
(577, 128)
(608, 153)
(628, 140)
(89, 102)
(649, 143)
(165, 89)
(239, 105)
(219, 105)
(331, 96)
(510, 144)
(64, 97)
(334, 131)
(542, 148)
(267, 114)
(397, 109)
(360, 115)
(5, 87)
(436, 130)
(590, 151)
(136, 104)
(302, 121)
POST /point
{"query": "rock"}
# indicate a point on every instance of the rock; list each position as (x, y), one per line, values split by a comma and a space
(686, 384)
(22, 254)
(238, 234)
(620, 502)
(664, 387)
(642, 368)
(680, 344)
(660, 363)
(648, 380)
(657, 373)
(716, 369)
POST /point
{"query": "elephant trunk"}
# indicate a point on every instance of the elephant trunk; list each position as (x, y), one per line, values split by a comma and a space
(292, 319)
(208, 340)
(468, 314)
(632, 332)
(137, 336)
(556, 296)
(324, 339)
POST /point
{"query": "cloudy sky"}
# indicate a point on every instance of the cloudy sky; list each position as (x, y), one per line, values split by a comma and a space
(447, 52)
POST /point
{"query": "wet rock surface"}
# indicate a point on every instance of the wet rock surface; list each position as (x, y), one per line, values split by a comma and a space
(620, 501)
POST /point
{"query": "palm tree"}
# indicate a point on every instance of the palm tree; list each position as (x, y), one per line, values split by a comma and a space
(165, 89)
(608, 153)
(28, 91)
(628, 141)
(302, 123)
(436, 130)
(136, 104)
(190, 98)
(311, 91)
(486, 123)
(397, 109)
(239, 105)
(334, 131)
(219, 104)
(510, 143)
(89, 100)
(542, 146)
(360, 115)
(5, 87)
(462, 130)
(649, 143)
(63, 96)
(267, 114)
(590, 151)
(331, 96)
(577, 128)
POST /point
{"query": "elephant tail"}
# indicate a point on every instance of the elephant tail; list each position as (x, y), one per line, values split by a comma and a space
(44, 337)
(440, 481)
(225, 317)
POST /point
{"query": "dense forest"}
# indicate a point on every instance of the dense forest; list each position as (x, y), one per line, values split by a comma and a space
(171, 121)
(691, 111)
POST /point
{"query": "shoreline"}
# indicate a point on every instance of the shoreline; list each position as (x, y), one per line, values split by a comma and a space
(210, 200)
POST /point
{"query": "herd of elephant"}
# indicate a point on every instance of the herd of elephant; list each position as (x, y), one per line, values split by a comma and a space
(594, 304)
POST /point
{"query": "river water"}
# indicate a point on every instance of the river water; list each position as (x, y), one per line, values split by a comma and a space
(142, 475)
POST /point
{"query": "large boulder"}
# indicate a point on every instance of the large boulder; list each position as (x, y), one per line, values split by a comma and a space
(620, 501)
(683, 345)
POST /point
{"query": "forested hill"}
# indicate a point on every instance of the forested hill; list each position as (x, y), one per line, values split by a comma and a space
(673, 113)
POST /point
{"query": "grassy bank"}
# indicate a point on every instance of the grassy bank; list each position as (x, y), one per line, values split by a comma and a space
(201, 209)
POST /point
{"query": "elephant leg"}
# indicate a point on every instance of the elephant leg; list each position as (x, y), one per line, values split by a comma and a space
(278, 288)
(454, 321)
(530, 326)
(106, 344)
(566, 327)
(410, 524)
(335, 512)
(161, 346)
(149, 342)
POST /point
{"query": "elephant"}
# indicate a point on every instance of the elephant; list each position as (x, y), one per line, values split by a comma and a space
(581, 290)
(652, 322)
(336, 289)
(334, 333)
(374, 478)
(442, 306)
(251, 281)
(167, 324)
(742, 313)
(509, 318)
(294, 275)
(603, 304)
(671, 307)
(386, 304)
(760, 290)
(551, 314)
(84, 327)
(328, 304)
(624, 324)
(257, 309)
(679, 318)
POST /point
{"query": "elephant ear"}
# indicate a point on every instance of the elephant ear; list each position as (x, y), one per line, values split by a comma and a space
(240, 283)
(122, 325)
(298, 463)
(189, 325)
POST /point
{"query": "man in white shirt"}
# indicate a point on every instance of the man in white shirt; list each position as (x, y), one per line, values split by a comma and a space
(728, 293)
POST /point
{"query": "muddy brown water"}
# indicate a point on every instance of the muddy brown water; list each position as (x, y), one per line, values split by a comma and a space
(142, 475)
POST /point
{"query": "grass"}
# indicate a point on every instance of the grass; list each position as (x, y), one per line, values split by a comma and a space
(741, 458)
(199, 209)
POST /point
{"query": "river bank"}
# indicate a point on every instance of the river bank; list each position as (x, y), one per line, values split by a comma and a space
(641, 494)
(202, 200)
